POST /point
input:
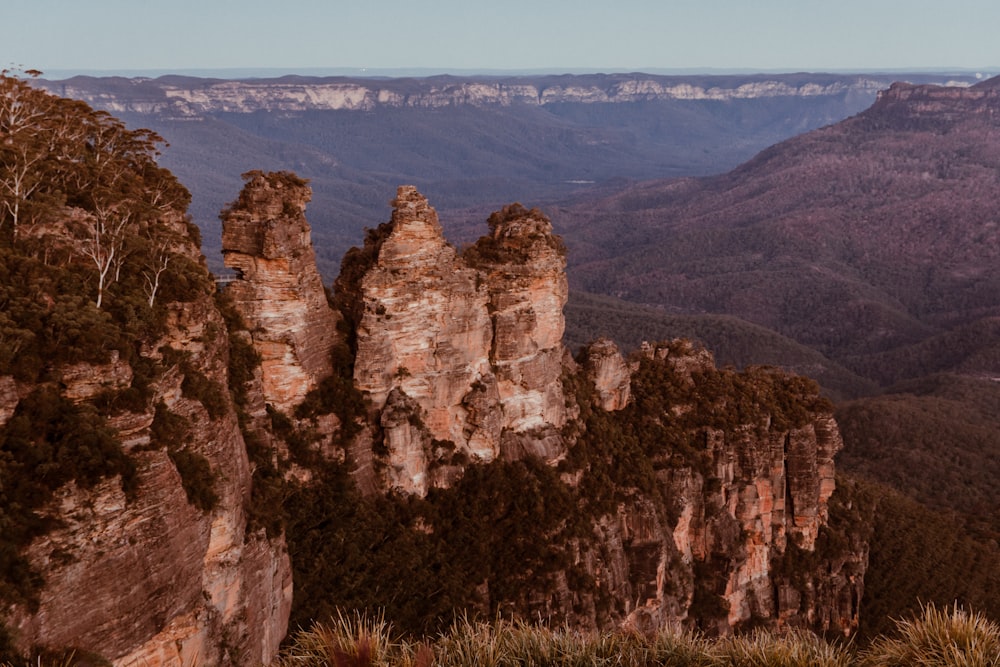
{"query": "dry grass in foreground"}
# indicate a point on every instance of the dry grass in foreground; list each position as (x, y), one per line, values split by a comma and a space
(945, 638)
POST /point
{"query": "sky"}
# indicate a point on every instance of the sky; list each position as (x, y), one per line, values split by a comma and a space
(462, 35)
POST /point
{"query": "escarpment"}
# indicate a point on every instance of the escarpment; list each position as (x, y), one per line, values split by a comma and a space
(424, 445)
(738, 484)
(124, 472)
(695, 489)
(162, 569)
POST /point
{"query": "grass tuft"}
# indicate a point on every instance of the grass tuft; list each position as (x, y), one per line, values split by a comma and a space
(939, 638)
(935, 638)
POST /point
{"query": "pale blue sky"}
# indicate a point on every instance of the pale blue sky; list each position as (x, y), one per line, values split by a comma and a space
(832, 35)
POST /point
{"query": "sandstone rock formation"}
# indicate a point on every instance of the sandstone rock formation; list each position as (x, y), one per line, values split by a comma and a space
(460, 357)
(608, 372)
(472, 344)
(181, 98)
(278, 291)
(523, 265)
(146, 575)
(464, 354)
(734, 522)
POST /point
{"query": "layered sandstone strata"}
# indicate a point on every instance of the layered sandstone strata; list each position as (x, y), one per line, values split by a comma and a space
(607, 371)
(470, 345)
(145, 575)
(277, 289)
(761, 495)
(523, 265)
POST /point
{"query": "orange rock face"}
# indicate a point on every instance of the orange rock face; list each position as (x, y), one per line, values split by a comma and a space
(266, 240)
(524, 268)
(473, 342)
(148, 577)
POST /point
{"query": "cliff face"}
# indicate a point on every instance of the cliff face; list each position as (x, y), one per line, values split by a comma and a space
(462, 360)
(524, 266)
(710, 540)
(467, 354)
(953, 103)
(278, 291)
(182, 98)
(701, 496)
(148, 575)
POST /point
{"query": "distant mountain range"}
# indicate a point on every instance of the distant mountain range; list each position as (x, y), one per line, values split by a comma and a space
(874, 241)
(865, 254)
(480, 141)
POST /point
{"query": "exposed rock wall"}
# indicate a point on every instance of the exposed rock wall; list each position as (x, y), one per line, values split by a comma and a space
(474, 341)
(721, 547)
(278, 291)
(186, 99)
(461, 359)
(425, 328)
(464, 353)
(147, 577)
(523, 265)
(607, 371)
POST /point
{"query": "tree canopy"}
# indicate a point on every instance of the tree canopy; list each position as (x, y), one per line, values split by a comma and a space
(92, 232)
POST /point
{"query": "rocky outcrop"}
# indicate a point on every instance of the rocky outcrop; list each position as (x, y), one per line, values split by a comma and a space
(424, 337)
(523, 265)
(277, 289)
(425, 328)
(155, 573)
(951, 101)
(736, 525)
(472, 344)
(85, 381)
(607, 371)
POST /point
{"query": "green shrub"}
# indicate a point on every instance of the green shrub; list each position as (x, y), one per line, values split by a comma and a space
(196, 385)
(172, 432)
(48, 442)
(168, 429)
(197, 477)
(337, 394)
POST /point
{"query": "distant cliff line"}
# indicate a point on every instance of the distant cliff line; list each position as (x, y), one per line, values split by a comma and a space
(191, 97)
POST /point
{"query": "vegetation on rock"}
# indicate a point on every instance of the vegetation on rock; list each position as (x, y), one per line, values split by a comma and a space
(90, 235)
(502, 537)
(94, 250)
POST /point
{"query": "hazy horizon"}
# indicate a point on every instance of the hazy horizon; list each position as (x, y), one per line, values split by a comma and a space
(419, 72)
(687, 36)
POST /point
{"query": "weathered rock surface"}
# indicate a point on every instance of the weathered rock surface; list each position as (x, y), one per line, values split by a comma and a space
(523, 265)
(729, 533)
(199, 96)
(147, 577)
(461, 359)
(425, 328)
(278, 291)
(761, 496)
(84, 381)
(473, 341)
(609, 374)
